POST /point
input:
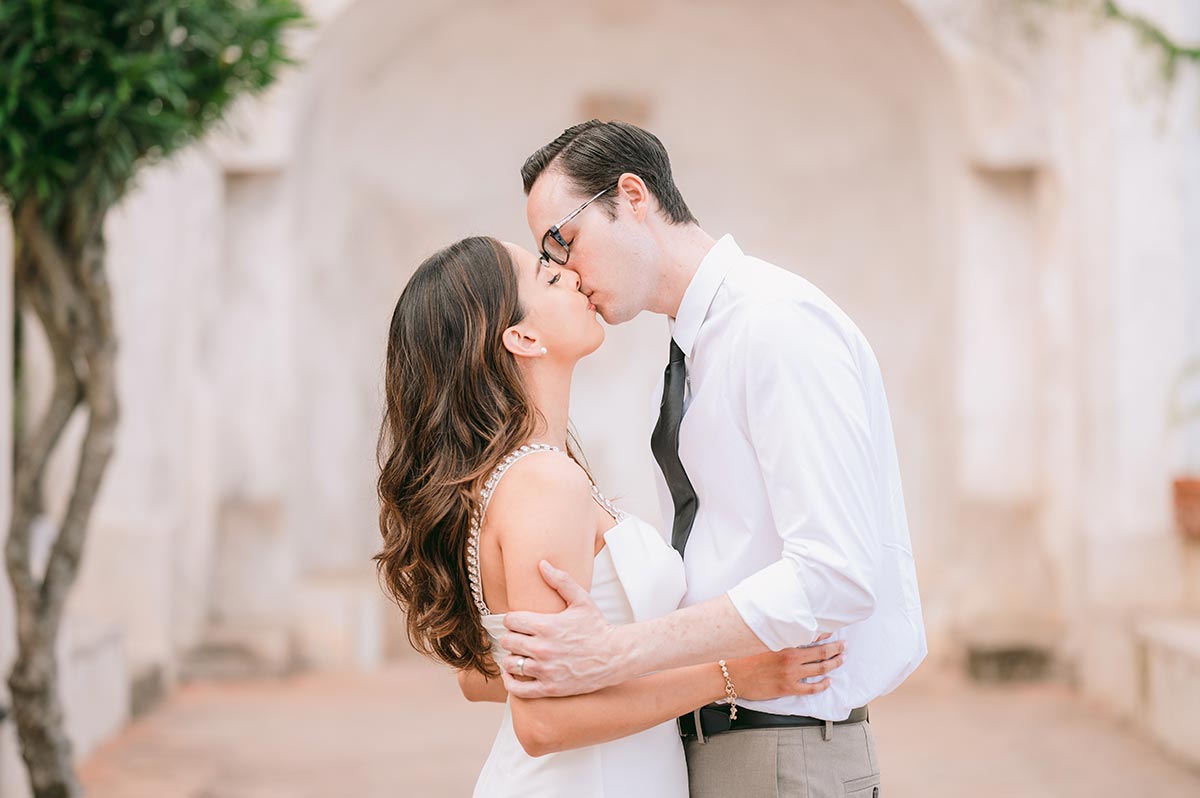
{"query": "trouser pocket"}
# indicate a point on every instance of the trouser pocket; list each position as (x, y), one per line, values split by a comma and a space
(866, 787)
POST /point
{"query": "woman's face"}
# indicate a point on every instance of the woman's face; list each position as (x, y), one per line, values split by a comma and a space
(563, 319)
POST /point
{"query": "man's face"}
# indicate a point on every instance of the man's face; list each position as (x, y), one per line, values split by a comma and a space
(609, 255)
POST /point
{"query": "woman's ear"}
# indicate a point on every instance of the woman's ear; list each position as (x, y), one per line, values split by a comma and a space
(633, 190)
(523, 342)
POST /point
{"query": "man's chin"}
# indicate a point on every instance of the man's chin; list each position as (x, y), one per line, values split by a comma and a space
(617, 316)
(613, 315)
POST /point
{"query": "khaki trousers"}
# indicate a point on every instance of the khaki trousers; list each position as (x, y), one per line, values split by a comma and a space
(785, 763)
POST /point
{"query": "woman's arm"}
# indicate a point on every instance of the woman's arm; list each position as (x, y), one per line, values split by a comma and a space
(547, 725)
(543, 505)
(562, 723)
(477, 687)
(559, 724)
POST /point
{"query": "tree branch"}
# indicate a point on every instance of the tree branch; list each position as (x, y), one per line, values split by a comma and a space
(100, 389)
(32, 452)
(1172, 51)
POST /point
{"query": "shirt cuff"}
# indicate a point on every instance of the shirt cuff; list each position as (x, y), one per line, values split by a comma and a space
(774, 605)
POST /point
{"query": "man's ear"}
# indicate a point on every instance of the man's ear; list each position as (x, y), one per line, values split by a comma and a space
(633, 191)
(523, 341)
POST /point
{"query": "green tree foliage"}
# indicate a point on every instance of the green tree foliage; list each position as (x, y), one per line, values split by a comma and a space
(91, 90)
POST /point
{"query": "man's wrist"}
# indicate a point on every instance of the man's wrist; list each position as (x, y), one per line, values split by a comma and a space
(626, 658)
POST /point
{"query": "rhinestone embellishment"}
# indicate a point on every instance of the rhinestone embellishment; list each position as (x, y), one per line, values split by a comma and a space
(485, 498)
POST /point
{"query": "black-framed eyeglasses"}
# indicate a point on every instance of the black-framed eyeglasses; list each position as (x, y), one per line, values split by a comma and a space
(554, 246)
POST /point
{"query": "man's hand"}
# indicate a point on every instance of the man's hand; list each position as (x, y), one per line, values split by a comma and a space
(565, 653)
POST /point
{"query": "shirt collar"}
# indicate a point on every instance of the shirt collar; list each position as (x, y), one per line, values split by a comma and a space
(701, 291)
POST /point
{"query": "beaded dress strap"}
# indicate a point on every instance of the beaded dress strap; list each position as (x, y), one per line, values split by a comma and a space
(485, 499)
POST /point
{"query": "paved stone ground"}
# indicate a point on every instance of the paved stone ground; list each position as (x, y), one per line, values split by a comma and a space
(406, 732)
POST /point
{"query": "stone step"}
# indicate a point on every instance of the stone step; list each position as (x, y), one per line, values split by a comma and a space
(1170, 684)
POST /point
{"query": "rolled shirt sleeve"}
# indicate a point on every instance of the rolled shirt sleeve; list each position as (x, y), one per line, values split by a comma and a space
(806, 414)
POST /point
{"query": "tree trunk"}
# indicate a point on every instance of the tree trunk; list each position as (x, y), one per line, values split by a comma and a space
(60, 277)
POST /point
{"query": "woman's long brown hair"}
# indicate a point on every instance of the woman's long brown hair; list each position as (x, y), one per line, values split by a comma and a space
(455, 406)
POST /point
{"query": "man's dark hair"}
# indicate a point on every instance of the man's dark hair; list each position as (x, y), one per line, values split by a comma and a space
(594, 154)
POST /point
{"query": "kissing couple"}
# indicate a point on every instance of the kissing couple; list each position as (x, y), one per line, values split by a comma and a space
(733, 654)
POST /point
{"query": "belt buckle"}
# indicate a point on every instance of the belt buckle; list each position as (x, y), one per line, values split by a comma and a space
(716, 718)
(712, 719)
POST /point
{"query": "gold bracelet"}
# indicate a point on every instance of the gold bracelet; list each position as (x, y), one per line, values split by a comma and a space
(730, 693)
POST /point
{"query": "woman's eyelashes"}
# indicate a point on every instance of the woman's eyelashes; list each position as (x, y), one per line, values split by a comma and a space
(555, 278)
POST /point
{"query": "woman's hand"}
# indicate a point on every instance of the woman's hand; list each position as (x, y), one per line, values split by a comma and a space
(780, 673)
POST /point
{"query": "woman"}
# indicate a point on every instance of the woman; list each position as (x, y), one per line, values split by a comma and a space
(478, 484)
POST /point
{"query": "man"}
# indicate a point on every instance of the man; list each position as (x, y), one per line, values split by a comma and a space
(776, 458)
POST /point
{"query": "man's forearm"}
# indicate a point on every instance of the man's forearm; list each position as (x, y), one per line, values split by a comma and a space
(693, 635)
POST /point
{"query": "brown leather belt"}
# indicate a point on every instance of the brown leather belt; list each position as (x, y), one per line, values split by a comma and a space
(714, 719)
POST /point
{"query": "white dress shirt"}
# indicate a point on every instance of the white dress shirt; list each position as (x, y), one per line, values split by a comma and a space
(787, 440)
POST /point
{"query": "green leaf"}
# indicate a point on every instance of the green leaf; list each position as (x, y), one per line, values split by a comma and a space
(15, 143)
(15, 73)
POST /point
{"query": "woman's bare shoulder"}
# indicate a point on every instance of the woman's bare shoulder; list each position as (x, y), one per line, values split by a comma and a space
(549, 480)
(544, 490)
(542, 510)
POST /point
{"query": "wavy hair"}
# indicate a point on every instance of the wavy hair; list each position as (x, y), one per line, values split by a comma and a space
(455, 405)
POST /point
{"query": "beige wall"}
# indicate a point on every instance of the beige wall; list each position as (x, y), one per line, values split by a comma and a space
(816, 146)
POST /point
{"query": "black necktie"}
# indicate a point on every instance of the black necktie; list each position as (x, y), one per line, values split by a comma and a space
(664, 442)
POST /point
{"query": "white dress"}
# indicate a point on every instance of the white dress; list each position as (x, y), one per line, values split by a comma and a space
(636, 576)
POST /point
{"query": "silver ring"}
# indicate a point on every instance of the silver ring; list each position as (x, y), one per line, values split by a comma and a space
(521, 667)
